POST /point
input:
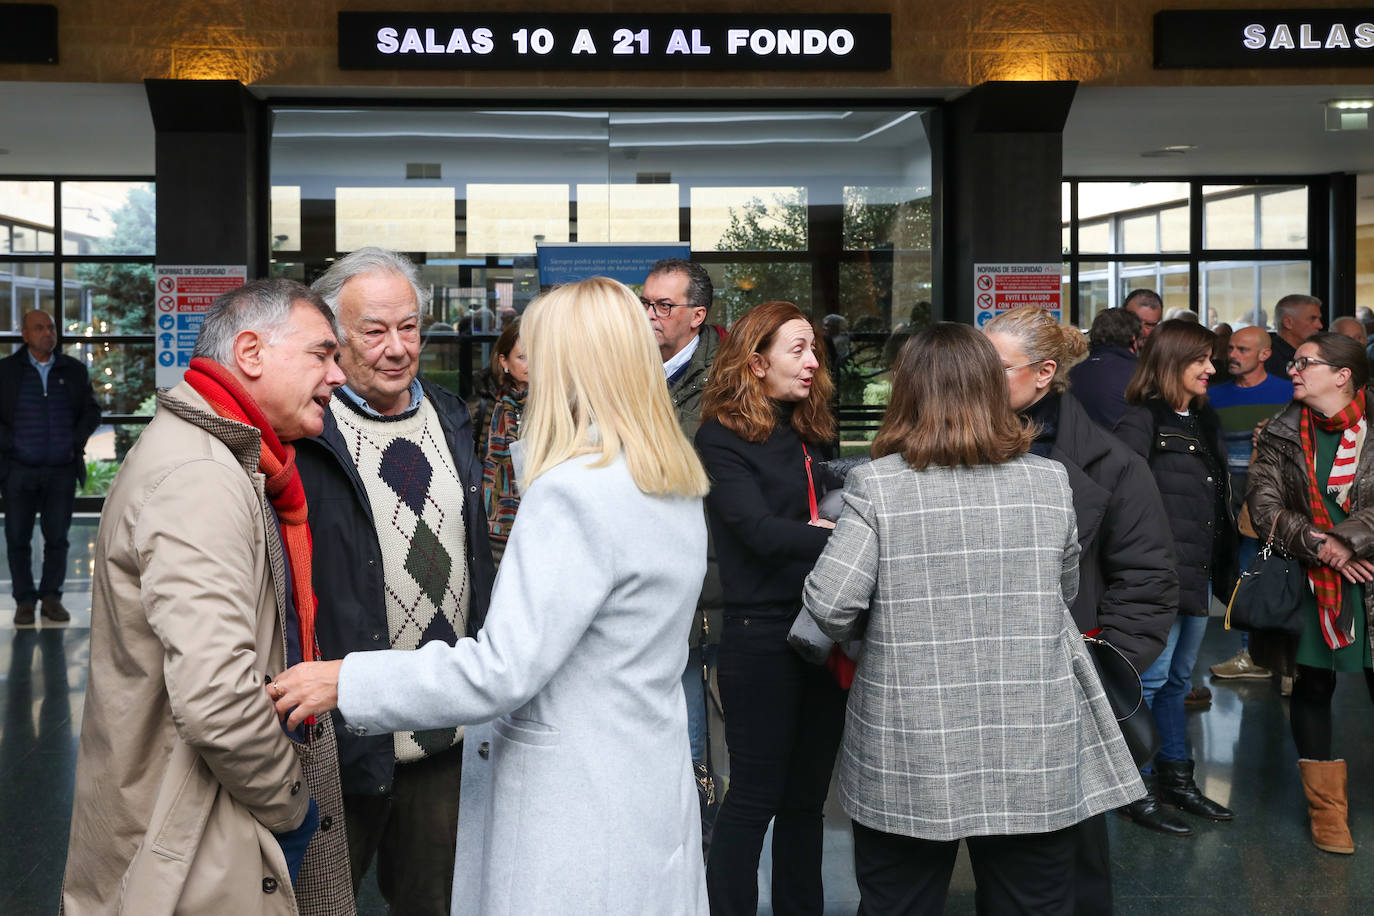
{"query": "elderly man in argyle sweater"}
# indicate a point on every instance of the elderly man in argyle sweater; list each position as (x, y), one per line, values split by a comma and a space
(401, 558)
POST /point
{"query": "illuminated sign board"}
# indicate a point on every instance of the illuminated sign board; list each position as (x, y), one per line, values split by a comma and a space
(613, 41)
(1248, 39)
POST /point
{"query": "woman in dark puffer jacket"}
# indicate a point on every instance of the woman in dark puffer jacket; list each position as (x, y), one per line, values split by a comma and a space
(1172, 426)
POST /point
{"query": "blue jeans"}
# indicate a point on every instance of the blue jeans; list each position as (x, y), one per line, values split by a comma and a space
(694, 689)
(1168, 681)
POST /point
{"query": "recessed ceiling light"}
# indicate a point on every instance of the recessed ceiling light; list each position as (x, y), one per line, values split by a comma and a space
(1177, 149)
(1348, 114)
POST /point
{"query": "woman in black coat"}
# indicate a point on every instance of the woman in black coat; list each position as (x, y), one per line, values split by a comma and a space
(1173, 427)
(766, 416)
(1128, 587)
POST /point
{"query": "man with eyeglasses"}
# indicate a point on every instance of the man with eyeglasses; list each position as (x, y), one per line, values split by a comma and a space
(1296, 318)
(677, 299)
(401, 558)
(1148, 307)
(1244, 405)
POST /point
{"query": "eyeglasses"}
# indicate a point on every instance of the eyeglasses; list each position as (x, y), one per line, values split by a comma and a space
(1302, 362)
(663, 307)
(1022, 365)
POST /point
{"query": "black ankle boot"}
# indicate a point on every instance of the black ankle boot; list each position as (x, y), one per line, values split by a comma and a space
(1147, 813)
(1176, 787)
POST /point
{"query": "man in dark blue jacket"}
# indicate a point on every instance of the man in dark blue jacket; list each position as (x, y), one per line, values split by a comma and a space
(1099, 382)
(47, 412)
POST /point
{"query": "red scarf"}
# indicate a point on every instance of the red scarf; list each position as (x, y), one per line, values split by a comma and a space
(284, 488)
(1337, 624)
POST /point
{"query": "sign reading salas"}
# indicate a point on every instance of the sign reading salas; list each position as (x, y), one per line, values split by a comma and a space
(613, 41)
(1264, 38)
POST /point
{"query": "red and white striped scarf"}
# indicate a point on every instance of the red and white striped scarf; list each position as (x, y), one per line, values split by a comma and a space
(1337, 621)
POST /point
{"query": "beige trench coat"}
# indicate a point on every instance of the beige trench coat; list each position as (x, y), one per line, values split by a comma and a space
(184, 773)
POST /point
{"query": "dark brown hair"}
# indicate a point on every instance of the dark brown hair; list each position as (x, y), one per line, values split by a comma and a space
(1167, 352)
(505, 382)
(950, 404)
(735, 397)
(1343, 353)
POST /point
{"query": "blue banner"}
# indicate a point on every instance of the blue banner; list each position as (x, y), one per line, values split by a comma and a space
(628, 262)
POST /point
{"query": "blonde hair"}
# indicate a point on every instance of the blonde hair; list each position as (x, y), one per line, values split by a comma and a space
(1041, 338)
(597, 387)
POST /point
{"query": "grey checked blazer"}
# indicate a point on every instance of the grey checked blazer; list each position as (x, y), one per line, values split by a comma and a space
(975, 709)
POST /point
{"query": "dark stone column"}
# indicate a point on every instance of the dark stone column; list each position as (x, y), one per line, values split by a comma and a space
(212, 174)
(1000, 169)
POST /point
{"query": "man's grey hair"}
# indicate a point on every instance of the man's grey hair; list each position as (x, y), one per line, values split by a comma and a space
(370, 260)
(1289, 304)
(1146, 298)
(263, 306)
(700, 291)
(1114, 328)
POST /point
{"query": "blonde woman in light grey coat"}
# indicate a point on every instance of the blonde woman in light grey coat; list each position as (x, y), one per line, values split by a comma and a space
(577, 792)
(975, 713)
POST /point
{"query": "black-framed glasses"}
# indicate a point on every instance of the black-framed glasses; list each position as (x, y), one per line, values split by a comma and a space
(663, 307)
(1302, 362)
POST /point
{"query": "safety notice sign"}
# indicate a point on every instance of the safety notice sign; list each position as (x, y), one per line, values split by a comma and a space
(184, 294)
(1002, 287)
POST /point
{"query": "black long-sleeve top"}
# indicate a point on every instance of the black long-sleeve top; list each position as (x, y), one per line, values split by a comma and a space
(760, 516)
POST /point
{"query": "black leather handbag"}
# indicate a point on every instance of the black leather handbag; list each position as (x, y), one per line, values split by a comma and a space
(1121, 684)
(1268, 594)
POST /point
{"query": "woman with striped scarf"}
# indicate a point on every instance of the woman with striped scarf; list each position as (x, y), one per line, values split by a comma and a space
(1313, 486)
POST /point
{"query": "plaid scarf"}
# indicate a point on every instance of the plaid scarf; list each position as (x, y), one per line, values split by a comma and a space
(1337, 622)
(284, 488)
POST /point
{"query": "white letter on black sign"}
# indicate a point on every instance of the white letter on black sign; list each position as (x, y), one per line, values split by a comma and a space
(412, 43)
(1283, 38)
(841, 41)
(1305, 38)
(481, 41)
(458, 43)
(1364, 35)
(583, 44)
(677, 43)
(386, 41)
(697, 46)
(432, 46)
(1254, 36)
(1337, 37)
(813, 41)
(735, 39)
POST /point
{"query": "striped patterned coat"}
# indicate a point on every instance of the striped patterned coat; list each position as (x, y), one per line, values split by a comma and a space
(975, 709)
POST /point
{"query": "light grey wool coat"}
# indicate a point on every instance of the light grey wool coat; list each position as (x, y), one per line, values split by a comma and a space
(975, 709)
(577, 793)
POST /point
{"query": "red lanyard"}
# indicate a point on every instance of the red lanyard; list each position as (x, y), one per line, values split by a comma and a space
(810, 484)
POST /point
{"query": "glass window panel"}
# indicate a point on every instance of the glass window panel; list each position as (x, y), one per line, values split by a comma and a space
(1173, 229)
(1095, 236)
(1281, 279)
(1094, 290)
(1140, 234)
(1283, 218)
(512, 218)
(886, 217)
(286, 217)
(1228, 221)
(27, 216)
(1244, 292)
(109, 217)
(402, 219)
(741, 286)
(628, 213)
(122, 373)
(749, 219)
(107, 299)
(23, 288)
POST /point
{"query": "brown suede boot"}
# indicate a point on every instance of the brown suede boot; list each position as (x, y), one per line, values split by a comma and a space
(1324, 783)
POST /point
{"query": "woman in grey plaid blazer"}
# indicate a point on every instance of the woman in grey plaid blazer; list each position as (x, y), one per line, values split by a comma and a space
(975, 713)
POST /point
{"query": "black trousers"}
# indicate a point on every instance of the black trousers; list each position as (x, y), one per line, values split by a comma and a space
(904, 876)
(783, 722)
(1093, 880)
(1309, 713)
(413, 833)
(32, 492)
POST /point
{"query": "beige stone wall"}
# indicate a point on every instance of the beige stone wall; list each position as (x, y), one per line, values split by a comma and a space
(936, 44)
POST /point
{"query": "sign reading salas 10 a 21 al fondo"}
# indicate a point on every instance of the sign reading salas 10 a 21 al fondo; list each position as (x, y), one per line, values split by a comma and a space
(1247, 39)
(613, 41)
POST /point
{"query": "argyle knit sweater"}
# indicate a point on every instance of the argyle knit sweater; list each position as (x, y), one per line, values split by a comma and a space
(417, 506)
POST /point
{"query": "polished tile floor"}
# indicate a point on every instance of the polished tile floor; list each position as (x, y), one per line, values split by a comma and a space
(1263, 863)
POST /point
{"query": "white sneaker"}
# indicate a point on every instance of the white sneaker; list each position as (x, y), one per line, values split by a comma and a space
(1240, 666)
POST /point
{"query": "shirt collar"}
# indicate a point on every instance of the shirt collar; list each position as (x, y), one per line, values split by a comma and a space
(417, 394)
(671, 367)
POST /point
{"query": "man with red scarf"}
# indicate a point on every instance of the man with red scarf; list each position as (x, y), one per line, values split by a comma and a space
(189, 794)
